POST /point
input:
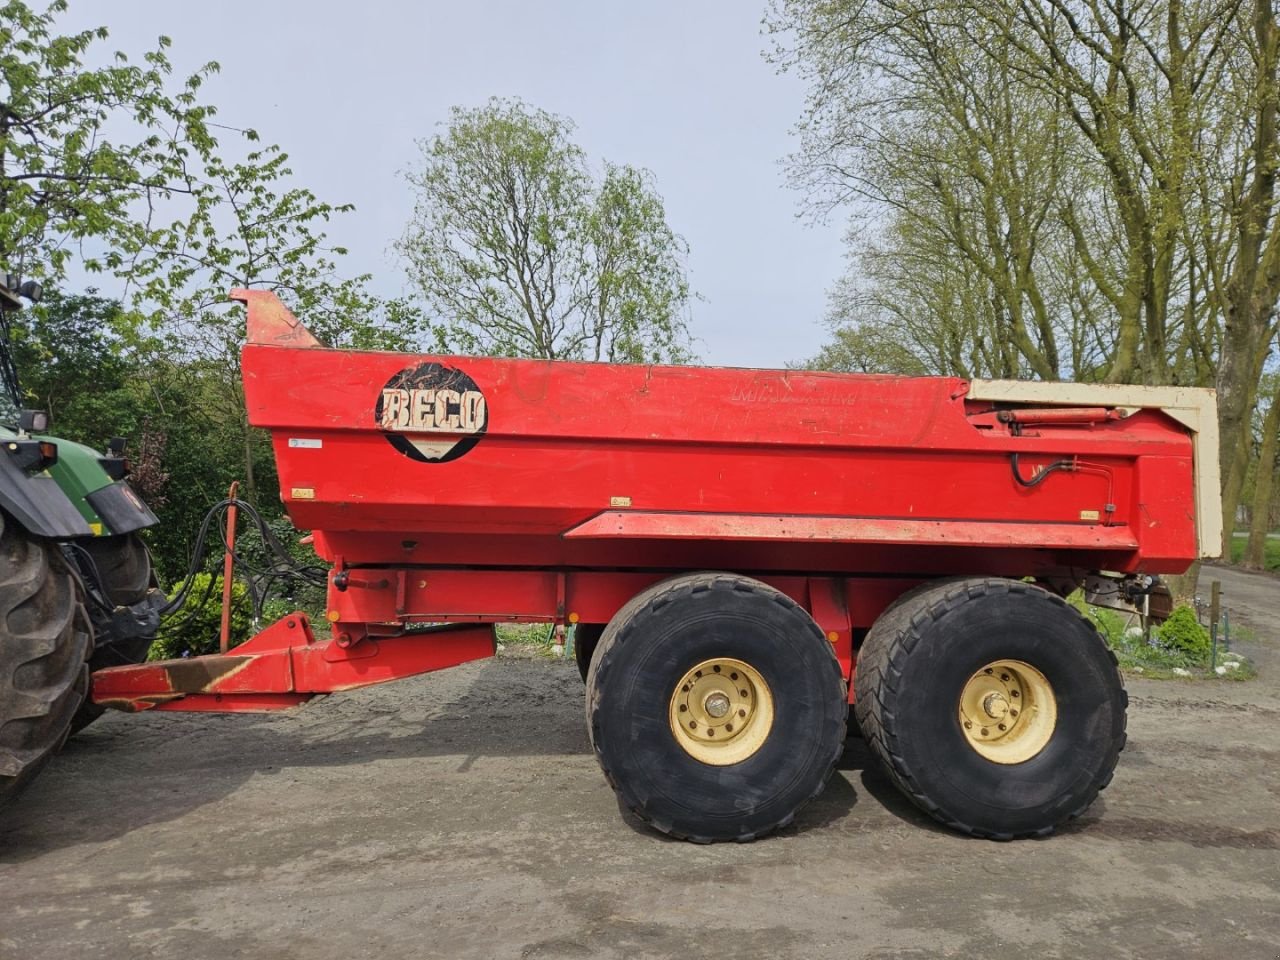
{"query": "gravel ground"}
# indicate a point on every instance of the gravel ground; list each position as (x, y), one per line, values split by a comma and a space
(462, 815)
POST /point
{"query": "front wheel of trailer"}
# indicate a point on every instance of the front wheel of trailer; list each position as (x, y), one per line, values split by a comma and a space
(716, 707)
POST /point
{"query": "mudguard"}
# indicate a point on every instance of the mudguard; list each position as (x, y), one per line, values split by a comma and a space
(107, 506)
(38, 504)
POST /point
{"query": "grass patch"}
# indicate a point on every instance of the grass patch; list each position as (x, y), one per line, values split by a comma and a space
(1180, 650)
(1270, 554)
(537, 638)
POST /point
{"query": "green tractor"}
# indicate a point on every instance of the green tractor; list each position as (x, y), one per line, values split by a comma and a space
(77, 591)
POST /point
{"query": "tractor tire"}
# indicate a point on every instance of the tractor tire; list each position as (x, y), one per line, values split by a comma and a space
(122, 567)
(45, 642)
(586, 637)
(992, 704)
(677, 668)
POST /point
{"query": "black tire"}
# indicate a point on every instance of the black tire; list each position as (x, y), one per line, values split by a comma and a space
(647, 648)
(121, 567)
(916, 660)
(586, 637)
(45, 641)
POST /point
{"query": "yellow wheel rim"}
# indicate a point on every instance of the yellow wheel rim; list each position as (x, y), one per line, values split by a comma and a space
(1008, 711)
(721, 711)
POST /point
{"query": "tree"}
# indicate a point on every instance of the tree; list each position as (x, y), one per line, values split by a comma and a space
(249, 228)
(112, 168)
(1104, 172)
(86, 154)
(115, 169)
(520, 250)
(1268, 463)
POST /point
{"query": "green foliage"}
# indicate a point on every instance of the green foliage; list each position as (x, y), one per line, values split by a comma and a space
(1051, 190)
(1271, 551)
(1180, 644)
(1183, 634)
(194, 629)
(74, 361)
(84, 151)
(522, 251)
(117, 167)
(528, 634)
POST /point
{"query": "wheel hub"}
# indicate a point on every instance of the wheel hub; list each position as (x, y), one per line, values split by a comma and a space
(721, 711)
(1008, 711)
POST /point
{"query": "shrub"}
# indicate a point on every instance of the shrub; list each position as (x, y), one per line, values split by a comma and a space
(1182, 633)
(194, 629)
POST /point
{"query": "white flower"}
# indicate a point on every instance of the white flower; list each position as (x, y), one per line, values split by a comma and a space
(1220, 670)
(1230, 665)
(1180, 672)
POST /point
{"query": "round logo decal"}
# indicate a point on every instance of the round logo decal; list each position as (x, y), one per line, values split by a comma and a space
(432, 413)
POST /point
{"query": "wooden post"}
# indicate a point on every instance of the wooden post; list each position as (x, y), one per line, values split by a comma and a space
(1215, 609)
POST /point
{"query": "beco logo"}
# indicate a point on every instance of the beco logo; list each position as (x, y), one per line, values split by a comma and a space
(432, 413)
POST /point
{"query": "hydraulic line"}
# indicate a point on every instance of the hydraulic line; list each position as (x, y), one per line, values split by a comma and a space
(281, 569)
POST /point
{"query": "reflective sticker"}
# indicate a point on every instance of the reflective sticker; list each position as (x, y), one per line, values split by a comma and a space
(305, 442)
(303, 493)
(619, 501)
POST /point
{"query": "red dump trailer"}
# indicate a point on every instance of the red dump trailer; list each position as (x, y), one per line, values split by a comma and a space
(745, 554)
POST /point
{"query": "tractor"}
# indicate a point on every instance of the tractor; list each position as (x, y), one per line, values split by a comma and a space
(77, 591)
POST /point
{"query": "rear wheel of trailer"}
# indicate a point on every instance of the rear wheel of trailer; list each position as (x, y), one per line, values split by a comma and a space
(992, 704)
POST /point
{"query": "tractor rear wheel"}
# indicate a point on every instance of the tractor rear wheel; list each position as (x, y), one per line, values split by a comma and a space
(992, 704)
(716, 707)
(45, 641)
(125, 630)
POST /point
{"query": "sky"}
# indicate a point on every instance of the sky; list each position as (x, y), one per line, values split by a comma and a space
(679, 88)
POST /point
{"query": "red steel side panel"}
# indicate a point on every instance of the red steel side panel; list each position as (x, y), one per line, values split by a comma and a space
(463, 462)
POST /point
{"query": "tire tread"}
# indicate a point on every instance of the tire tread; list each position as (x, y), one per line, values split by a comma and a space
(616, 635)
(891, 641)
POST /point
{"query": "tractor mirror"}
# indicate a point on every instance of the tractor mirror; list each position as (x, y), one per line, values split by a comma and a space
(34, 421)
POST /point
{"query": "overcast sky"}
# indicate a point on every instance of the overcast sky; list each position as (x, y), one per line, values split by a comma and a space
(677, 87)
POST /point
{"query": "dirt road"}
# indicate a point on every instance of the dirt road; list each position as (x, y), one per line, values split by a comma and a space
(462, 815)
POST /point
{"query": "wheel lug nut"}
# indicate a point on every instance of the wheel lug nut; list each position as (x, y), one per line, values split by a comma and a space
(1013, 713)
(988, 671)
(742, 693)
(1002, 727)
(968, 724)
(742, 713)
(728, 728)
(733, 676)
(1004, 677)
(984, 731)
(1013, 693)
(683, 708)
